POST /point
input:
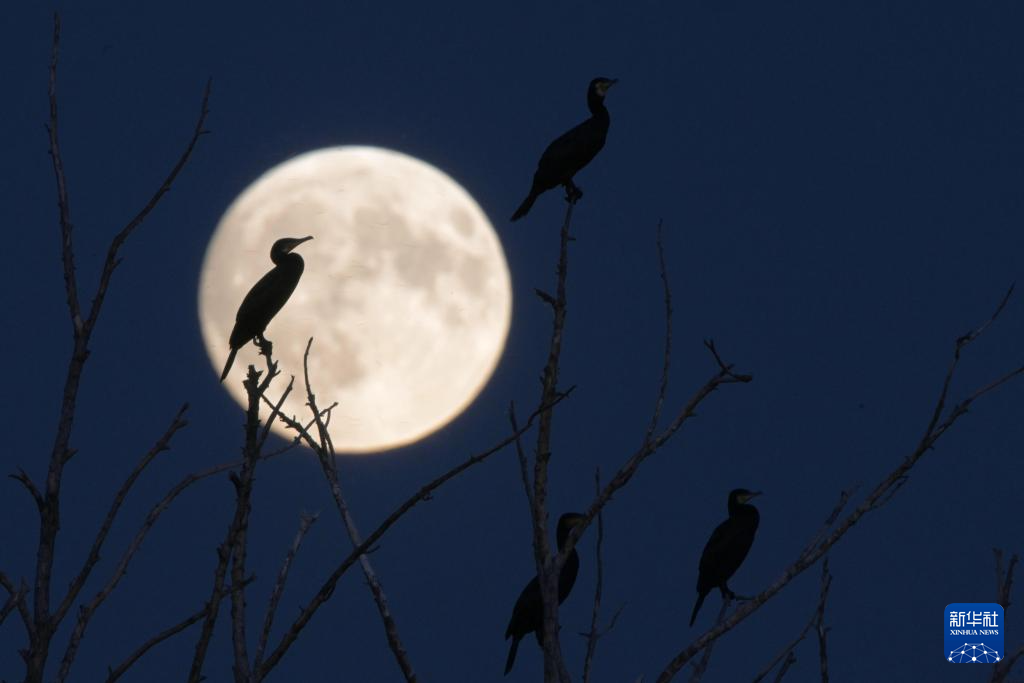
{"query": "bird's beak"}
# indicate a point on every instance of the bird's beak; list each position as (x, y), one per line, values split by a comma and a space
(298, 241)
(611, 82)
(752, 494)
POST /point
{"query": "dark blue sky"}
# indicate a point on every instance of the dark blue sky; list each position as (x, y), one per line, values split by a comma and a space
(841, 193)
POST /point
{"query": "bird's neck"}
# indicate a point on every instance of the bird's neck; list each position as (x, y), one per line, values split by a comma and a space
(595, 103)
(288, 259)
(742, 510)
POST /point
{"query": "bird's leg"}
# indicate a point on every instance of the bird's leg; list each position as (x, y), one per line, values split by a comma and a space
(572, 192)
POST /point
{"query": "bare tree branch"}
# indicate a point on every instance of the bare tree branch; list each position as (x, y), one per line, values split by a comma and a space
(882, 492)
(16, 600)
(86, 611)
(700, 667)
(323, 446)
(162, 444)
(667, 357)
(1004, 586)
(275, 596)
(826, 582)
(63, 204)
(44, 623)
(26, 481)
(547, 571)
(424, 493)
(114, 673)
(524, 463)
(595, 613)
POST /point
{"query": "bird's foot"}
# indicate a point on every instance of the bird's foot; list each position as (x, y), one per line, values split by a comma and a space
(265, 346)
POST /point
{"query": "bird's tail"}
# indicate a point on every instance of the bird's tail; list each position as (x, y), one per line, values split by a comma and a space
(696, 608)
(512, 654)
(227, 366)
(525, 207)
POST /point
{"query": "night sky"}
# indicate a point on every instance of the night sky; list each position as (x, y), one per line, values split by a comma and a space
(840, 189)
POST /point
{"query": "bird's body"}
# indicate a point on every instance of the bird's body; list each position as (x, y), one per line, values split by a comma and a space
(727, 548)
(266, 297)
(528, 614)
(573, 150)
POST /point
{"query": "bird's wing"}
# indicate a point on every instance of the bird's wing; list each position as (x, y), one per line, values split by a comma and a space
(725, 550)
(526, 612)
(569, 148)
(261, 304)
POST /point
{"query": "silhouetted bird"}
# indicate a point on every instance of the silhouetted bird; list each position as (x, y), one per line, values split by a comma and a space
(727, 547)
(266, 297)
(528, 614)
(572, 151)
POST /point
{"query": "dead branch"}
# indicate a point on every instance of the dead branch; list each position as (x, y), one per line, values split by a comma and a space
(424, 493)
(667, 356)
(1004, 585)
(826, 582)
(162, 444)
(114, 673)
(45, 624)
(701, 667)
(275, 596)
(592, 635)
(547, 571)
(86, 611)
(883, 491)
(323, 446)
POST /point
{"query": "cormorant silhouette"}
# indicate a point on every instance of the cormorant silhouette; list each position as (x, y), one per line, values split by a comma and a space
(727, 547)
(266, 297)
(528, 614)
(572, 151)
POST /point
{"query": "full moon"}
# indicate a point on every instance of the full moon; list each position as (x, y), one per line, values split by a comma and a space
(406, 292)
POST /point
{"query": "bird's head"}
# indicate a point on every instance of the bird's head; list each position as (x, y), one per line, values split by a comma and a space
(284, 246)
(741, 496)
(566, 523)
(600, 86)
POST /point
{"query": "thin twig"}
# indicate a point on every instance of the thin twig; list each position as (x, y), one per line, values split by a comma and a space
(595, 613)
(162, 444)
(275, 596)
(1004, 586)
(524, 463)
(114, 673)
(826, 582)
(819, 609)
(700, 667)
(667, 357)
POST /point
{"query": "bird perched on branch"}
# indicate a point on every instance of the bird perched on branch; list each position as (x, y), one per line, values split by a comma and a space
(266, 298)
(572, 151)
(727, 547)
(528, 614)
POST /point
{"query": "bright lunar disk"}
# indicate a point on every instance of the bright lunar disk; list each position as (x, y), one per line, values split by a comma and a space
(406, 292)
